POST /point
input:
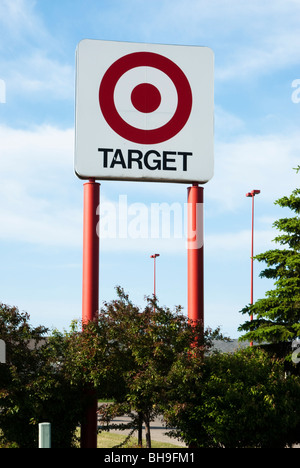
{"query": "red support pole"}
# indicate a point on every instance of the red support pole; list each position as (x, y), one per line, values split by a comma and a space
(90, 293)
(195, 254)
(90, 275)
(89, 425)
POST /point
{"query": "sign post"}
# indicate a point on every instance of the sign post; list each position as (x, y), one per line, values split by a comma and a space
(90, 294)
(144, 112)
(195, 254)
(90, 275)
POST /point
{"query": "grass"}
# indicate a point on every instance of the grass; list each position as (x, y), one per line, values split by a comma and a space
(110, 440)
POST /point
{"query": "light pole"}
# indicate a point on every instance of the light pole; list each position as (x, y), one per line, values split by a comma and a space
(154, 257)
(252, 195)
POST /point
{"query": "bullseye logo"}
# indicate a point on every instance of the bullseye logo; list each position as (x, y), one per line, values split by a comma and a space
(145, 98)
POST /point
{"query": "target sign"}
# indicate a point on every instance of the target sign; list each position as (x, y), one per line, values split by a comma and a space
(144, 112)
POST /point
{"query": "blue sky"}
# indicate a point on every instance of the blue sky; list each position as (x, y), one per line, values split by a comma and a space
(257, 140)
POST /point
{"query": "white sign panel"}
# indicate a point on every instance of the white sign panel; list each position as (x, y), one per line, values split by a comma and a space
(144, 112)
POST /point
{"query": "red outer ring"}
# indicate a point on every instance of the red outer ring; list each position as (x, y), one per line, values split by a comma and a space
(115, 121)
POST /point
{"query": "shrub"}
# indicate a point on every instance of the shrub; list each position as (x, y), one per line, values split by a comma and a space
(240, 400)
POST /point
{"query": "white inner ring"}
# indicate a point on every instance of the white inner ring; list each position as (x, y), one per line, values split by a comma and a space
(152, 120)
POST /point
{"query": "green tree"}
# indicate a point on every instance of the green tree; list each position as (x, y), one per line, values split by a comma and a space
(240, 400)
(33, 385)
(276, 318)
(128, 353)
(23, 361)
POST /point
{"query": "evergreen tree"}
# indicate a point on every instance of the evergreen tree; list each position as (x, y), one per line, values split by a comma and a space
(276, 318)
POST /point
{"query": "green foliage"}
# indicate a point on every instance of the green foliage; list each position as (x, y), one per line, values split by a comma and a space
(16, 376)
(127, 354)
(150, 361)
(32, 387)
(242, 400)
(277, 316)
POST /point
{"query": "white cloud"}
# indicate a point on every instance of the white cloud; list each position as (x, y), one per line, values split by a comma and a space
(36, 169)
(227, 123)
(250, 37)
(263, 162)
(237, 243)
(279, 50)
(29, 152)
(39, 75)
(19, 23)
(26, 49)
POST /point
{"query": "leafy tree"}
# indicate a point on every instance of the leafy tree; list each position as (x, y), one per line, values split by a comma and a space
(241, 400)
(33, 387)
(129, 353)
(277, 316)
(23, 362)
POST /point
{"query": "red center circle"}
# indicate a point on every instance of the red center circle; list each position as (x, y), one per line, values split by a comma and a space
(118, 124)
(145, 98)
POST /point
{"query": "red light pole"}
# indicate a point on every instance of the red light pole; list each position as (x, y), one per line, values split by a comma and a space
(252, 194)
(154, 257)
